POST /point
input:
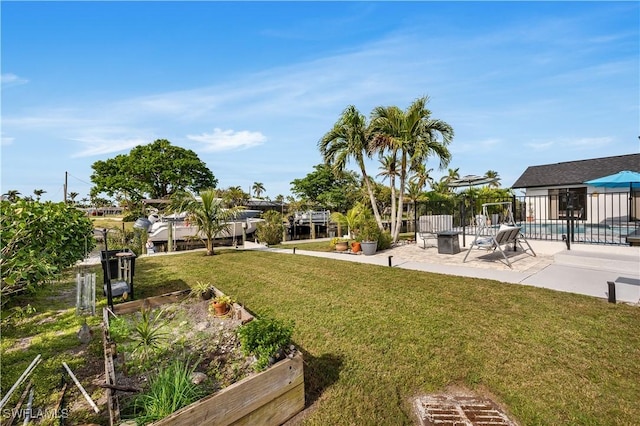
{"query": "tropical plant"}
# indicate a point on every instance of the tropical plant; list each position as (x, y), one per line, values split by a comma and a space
(149, 334)
(352, 219)
(494, 175)
(270, 231)
(411, 136)
(349, 139)
(369, 231)
(207, 214)
(12, 195)
(258, 188)
(264, 338)
(201, 289)
(169, 390)
(38, 193)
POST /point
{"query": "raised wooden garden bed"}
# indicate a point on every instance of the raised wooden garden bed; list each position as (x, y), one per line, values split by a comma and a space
(270, 397)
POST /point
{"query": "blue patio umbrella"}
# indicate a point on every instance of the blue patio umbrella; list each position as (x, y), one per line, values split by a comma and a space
(621, 179)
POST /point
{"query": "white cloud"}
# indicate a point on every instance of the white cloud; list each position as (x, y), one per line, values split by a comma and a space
(540, 146)
(6, 140)
(101, 146)
(9, 80)
(225, 140)
(591, 142)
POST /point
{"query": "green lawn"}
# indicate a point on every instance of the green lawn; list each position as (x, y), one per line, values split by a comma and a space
(375, 337)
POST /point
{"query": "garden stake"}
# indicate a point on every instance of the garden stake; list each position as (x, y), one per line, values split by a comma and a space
(390, 260)
(14, 412)
(21, 379)
(84, 392)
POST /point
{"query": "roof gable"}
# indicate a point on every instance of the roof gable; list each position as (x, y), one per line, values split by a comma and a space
(576, 172)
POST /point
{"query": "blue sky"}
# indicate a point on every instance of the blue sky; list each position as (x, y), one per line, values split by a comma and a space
(252, 86)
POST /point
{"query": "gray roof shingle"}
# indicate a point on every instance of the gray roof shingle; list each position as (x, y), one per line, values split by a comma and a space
(576, 172)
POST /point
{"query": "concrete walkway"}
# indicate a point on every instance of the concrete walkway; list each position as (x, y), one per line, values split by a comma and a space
(585, 269)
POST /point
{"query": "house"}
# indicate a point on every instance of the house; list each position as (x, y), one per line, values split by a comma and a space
(555, 191)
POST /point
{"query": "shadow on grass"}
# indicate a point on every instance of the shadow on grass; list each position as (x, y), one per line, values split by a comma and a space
(319, 373)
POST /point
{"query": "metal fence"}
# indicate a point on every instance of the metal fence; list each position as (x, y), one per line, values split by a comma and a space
(570, 216)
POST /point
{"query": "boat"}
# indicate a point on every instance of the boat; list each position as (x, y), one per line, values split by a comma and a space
(160, 227)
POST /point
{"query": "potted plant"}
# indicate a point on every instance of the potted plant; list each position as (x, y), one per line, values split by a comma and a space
(202, 290)
(340, 244)
(530, 216)
(221, 305)
(368, 235)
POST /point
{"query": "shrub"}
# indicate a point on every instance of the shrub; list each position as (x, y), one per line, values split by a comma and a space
(264, 338)
(384, 240)
(38, 240)
(270, 231)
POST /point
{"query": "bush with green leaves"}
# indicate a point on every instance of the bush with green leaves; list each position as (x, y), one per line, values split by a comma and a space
(384, 240)
(119, 329)
(270, 231)
(263, 338)
(38, 241)
(169, 390)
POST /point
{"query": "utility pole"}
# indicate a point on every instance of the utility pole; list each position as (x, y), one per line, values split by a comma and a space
(65, 186)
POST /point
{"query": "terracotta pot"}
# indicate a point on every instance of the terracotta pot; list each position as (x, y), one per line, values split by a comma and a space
(355, 247)
(221, 309)
(342, 246)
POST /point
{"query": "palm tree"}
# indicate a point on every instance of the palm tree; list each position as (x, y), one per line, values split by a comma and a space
(414, 136)
(12, 195)
(258, 188)
(349, 139)
(494, 175)
(208, 214)
(389, 169)
(72, 197)
(235, 196)
(421, 176)
(38, 193)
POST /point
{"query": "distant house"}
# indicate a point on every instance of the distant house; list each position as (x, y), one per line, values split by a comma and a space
(554, 190)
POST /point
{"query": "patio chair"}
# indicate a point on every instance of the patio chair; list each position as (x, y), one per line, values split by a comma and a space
(430, 225)
(506, 235)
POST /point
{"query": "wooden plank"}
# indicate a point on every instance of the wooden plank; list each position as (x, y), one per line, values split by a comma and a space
(277, 411)
(150, 302)
(240, 399)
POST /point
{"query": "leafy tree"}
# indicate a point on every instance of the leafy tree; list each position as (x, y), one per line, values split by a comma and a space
(208, 214)
(334, 189)
(350, 139)
(156, 170)
(258, 188)
(411, 136)
(39, 240)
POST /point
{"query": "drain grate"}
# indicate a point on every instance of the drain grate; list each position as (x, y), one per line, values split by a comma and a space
(451, 410)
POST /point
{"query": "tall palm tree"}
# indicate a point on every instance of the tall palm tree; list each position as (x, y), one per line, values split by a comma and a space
(389, 167)
(258, 188)
(38, 193)
(12, 195)
(207, 214)
(414, 136)
(72, 197)
(494, 175)
(421, 176)
(349, 139)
